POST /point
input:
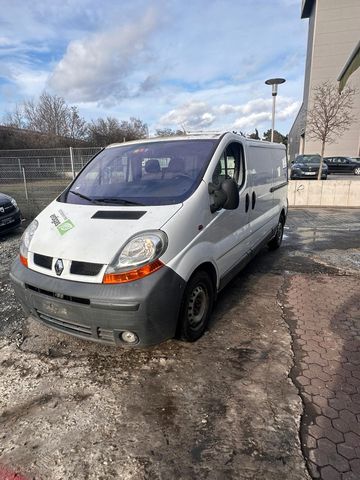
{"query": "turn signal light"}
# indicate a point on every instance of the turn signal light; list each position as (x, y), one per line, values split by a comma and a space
(23, 260)
(132, 275)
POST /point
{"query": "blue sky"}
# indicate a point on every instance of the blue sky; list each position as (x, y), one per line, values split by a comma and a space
(200, 64)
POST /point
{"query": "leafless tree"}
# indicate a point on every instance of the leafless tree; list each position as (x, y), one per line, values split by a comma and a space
(77, 125)
(50, 114)
(111, 130)
(15, 118)
(134, 129)
(330, 115)
(104, 131)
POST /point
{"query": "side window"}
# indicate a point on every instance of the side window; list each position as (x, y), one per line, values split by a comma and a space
(230, 165)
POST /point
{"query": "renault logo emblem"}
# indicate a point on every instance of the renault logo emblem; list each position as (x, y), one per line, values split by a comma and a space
(59, 266)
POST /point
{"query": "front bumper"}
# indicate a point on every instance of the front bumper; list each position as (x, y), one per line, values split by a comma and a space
(10, 221)
(307, 175)
(148, 307)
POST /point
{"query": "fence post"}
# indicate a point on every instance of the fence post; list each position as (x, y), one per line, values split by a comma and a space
(25, 186)
(72, 162)
(20, 166)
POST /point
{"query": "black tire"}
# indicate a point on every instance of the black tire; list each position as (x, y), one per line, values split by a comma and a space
(196, 307)
(275, 243)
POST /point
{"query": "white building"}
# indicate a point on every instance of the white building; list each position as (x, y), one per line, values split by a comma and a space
(334, 32)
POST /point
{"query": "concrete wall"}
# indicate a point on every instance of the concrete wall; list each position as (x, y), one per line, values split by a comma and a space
(334, 193)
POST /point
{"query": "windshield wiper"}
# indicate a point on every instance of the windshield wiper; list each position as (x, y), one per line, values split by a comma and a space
(117, 201)
(92, 200)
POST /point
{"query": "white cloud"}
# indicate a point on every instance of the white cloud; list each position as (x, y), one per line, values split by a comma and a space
(252, 120)
(96, 68)
(191, 114)
(253, 114)
(30, 82)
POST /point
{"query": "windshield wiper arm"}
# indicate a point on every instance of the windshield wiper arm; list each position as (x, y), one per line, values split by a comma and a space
(117, 201)
(92, 200)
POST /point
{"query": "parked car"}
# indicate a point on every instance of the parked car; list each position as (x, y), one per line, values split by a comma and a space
(136, 249)
(10, 216)
(342, 165)
(307, 166)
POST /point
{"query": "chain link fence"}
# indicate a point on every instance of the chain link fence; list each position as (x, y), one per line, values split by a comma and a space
(35, 177)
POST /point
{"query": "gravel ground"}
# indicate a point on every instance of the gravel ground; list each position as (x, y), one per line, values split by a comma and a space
(222, 408)
(11, 317)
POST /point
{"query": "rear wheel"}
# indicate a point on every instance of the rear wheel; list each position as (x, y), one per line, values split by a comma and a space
(357, 171)
(196, 307)
(276, 241)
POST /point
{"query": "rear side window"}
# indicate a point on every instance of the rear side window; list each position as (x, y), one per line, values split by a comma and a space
(230, 165)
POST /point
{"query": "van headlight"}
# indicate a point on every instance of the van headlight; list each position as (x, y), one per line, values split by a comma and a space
(26, 240)
(138, 258)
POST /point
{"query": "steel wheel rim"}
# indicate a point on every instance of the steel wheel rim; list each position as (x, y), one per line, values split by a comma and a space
(197, 307)
(357, 171)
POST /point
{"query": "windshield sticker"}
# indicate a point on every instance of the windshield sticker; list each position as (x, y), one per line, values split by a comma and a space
(61, 222)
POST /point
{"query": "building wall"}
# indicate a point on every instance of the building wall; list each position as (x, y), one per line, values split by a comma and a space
(334, 29)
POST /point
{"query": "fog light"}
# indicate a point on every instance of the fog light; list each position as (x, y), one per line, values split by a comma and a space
(129, 337)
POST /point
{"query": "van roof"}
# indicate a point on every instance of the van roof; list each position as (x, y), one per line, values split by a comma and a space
(202, 135)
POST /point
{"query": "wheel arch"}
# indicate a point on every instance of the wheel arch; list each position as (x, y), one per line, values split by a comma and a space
(209, 268)
(283, 215)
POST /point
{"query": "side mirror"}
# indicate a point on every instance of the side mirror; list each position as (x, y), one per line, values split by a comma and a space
(224, 196)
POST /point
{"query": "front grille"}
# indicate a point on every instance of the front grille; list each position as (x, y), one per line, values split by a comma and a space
(64, 325)
(42, 260)
(310, 169)
(84, 301)
(8, 208)
(76, 328)
(77, 268)
(85, 268)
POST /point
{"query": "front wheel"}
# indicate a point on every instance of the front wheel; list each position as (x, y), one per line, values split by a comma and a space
(357, 171)
(276, 241)
(196, 307)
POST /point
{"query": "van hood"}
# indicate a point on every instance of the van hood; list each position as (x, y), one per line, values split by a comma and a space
(86, 233)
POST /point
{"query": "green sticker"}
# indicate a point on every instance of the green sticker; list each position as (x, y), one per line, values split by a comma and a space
(65, 226)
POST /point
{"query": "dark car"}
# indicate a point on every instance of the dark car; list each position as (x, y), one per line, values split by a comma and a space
(10, 216)
(342, 165)
(307, 166)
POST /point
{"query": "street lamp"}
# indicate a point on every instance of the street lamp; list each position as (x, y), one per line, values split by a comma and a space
(274, 82)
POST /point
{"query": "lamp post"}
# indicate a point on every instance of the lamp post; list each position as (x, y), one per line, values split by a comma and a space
(274, 82)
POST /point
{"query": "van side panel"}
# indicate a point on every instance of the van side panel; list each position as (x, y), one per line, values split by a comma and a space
(280, 179)
(263, 215)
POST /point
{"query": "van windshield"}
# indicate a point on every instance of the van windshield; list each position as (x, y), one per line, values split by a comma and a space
(156, 173)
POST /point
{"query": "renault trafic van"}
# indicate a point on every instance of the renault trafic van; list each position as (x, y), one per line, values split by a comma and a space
(136, 249)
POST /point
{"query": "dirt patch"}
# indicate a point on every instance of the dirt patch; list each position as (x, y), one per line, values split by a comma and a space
(223, 407)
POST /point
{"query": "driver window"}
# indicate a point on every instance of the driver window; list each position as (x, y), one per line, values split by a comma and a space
(230, 165)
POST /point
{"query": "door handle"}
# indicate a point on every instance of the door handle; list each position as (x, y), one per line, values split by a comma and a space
(253, 200)
(247, 202)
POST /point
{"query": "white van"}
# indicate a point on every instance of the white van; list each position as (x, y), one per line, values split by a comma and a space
(136, 249)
